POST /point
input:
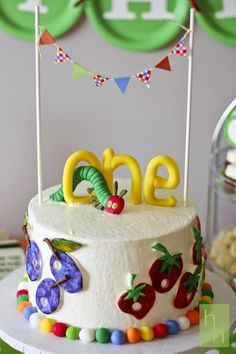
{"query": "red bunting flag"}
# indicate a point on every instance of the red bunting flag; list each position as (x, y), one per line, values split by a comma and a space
(164, 64)
(61, 56)
(180, 49)
(99, 79)
(46, 38)
(145, 77)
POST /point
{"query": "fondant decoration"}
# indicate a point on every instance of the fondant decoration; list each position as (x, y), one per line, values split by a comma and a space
(63, 245)
(207, 299)
(160, 330)
(61, 56)
(28, 311)
(164, 64)
(197, 247)
(102, 335)
(72, 333)
(122, 83)
(199, 224)
(46, 38)
(87, 335)
(22, 305)
(166, 270)
(33, 261)
(206, 286)
(207, 292)
(99, 80)
(138, 300)
(35, 319)
(78, 71)
(113, 204)
(47, 296)
(63, 267)
(152, 181)
(46, 325)
(193, 316)
(118, 337)
(147, 333)
(145, 77)
(172, 327)
(180, 49)
(187, 288)
(59, 329)
(21, 292)
(23, 286)
(21, 298)
(133, 335)
(184, 323)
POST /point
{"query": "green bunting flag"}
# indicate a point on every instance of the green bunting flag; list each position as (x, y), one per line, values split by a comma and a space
(78, 71)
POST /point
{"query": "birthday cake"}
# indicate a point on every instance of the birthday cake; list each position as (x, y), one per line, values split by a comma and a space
(88, 268)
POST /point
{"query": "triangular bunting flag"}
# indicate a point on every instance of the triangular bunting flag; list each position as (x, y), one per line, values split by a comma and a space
(61, 56)
(46, 38)
(78, 71)
(145, 76)
(164, 64)
(180, 49)
(99, 79)
(122, 83)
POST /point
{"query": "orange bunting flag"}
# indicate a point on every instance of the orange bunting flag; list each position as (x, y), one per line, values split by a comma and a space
(164, 64)
(46, 38)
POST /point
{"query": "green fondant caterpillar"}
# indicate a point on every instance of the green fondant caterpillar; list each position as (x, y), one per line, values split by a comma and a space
(104, 199)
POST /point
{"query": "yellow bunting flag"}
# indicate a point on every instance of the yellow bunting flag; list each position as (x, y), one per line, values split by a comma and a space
(78, 71)
(46, 38)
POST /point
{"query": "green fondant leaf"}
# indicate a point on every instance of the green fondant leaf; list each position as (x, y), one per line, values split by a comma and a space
(159, 247)
(63, 245)
(135, 293)
(26, 219)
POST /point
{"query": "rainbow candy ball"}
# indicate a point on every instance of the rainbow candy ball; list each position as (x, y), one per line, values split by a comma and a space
(160, 330)
(35, 319)
(117, 337)
(46, 324)
(133, 335)
(22, 297)
(102, 335)
(184, 323)
(87, 335)
(28, 311)
(23, 285)
(172, 327)
(147, 333)
(72, 333)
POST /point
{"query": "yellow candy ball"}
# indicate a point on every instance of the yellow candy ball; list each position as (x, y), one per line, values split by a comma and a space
(25, 277)
(147, 333)
(46, 324)
(207, 299)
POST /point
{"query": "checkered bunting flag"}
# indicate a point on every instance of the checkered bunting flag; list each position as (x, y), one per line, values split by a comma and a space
(180, 49)
(61, 56)
(145, 77)
(99, 79)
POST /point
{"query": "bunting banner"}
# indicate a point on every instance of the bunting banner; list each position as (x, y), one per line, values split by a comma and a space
(122, 82)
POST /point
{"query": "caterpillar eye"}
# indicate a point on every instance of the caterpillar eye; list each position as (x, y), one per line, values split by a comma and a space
(114, 205)
(109, 204)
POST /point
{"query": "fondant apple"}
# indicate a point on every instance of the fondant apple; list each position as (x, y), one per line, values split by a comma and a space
(48, 296)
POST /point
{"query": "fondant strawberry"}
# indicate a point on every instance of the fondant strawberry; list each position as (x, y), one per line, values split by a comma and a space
(166, 270)
(187, 288)
(197, 247)
(138, 300)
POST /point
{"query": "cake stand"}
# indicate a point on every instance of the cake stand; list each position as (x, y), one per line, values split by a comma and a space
(18, 333)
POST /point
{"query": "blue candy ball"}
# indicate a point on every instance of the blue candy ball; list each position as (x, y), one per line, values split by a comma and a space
(28, 312)
(117, 337)
(172, 327)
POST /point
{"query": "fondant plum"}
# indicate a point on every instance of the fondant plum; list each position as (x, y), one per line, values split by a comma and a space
(48, 296)
(63, 266)
(33, 261)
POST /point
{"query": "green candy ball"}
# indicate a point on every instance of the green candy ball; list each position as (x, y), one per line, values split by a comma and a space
(208, 292)
(22, 297)
(72, 333)
(102, 335)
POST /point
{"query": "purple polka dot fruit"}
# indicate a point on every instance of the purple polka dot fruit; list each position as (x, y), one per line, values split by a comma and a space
(33, 261)
(48, 296)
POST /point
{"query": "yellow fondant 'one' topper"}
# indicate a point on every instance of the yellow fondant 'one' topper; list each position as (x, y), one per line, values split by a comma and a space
(111, 162)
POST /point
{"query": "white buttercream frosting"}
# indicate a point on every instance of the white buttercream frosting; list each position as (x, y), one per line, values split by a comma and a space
(113, 246)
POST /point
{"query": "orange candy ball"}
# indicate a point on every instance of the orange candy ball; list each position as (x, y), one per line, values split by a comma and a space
(206, 286)
(22, 305)
(133, 335)
(193, 317)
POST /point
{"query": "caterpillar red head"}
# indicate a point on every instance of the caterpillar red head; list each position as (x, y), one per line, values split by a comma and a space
(116, 203)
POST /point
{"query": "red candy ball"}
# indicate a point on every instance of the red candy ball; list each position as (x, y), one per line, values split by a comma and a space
(59, 329)
(160, 330)
(21, 292)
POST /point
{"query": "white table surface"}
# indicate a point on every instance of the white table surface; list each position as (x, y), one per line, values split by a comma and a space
(18, 333)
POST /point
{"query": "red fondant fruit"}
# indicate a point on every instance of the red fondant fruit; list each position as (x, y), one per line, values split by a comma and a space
(22, 292)
(166, 270)
(187, 288)
(138, 300)
(160, 330)
(59, 329)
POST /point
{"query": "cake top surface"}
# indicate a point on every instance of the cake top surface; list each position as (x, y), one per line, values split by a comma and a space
(84, 221)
